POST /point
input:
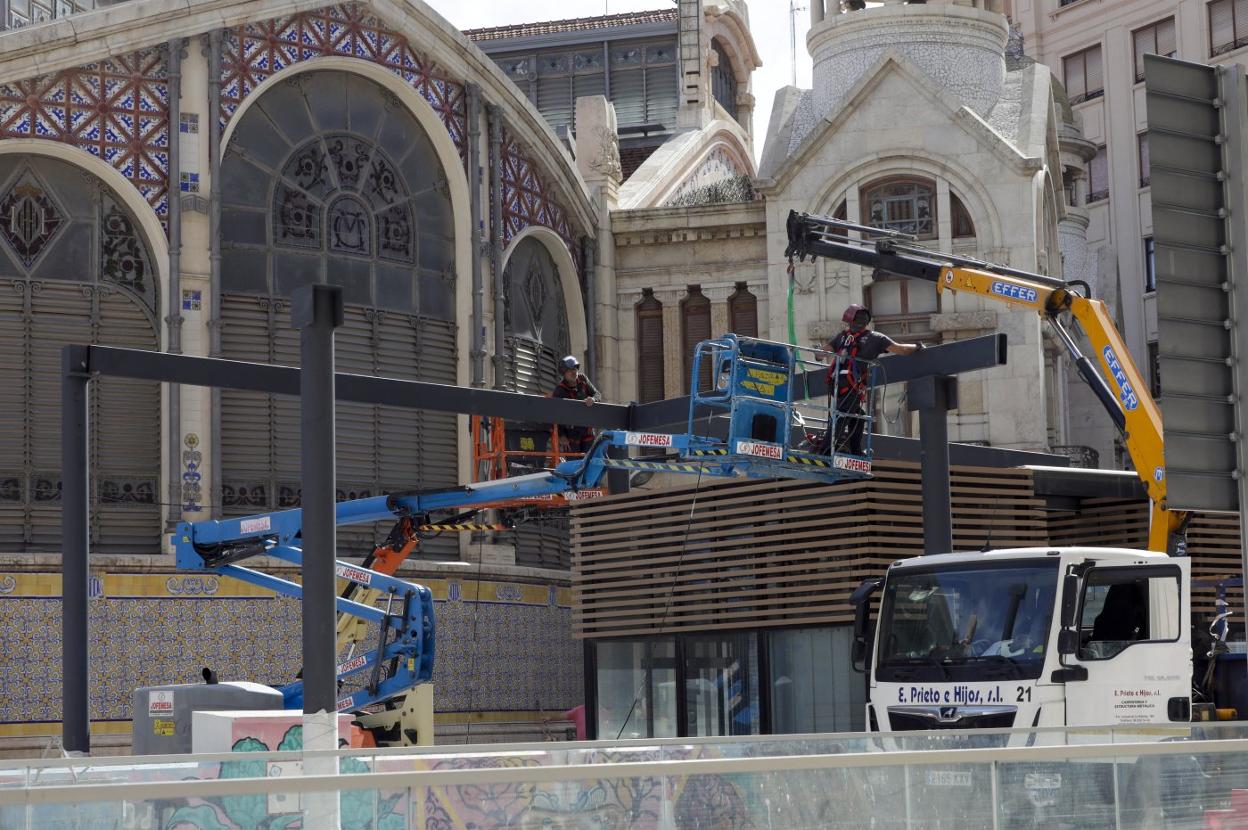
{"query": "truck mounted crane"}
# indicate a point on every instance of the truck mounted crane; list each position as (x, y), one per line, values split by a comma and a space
(1131, 408)
(753, 387)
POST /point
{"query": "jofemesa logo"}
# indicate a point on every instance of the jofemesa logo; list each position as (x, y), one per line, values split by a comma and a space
(1125, 391)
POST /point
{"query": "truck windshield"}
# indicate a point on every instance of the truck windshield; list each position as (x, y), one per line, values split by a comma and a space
(966, 622)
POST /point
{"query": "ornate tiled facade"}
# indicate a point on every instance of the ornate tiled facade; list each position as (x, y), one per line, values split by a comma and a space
(255, 51)
(116, 109)
(153, 629)
(528, 199)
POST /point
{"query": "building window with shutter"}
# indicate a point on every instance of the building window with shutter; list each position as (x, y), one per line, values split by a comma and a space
(74, 268)
(963, 227)
(1228, 25)
(644, 86)
(371, 214)
(724, 80)
(1141, 143)
(743, 311)
(562, 77)
(1157, 39)
(1084, 75)
(649, 313)
(905, 205)
(1150, 265)
(695, 326)
(1098, 176)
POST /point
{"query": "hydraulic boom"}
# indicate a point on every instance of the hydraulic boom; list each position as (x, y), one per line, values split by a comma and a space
(753, 386)
(1129, 403)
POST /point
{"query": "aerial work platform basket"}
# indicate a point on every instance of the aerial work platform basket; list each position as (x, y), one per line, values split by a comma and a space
(750, 413)
(775, 429)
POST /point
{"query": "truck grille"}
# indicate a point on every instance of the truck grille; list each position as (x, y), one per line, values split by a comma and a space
(916, 719)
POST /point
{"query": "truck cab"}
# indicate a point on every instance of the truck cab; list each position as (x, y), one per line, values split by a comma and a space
(1027, 637)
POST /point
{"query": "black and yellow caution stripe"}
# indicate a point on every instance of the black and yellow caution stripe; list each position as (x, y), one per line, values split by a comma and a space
(656, 466)
(463, 526)
(810, 460)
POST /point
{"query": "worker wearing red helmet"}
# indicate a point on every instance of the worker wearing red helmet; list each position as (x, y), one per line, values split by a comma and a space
(858, 346)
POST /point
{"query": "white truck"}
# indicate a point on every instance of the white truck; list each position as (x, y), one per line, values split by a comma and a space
(1029, 637)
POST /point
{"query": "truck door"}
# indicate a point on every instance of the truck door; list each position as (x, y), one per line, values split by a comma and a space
(1133, 644)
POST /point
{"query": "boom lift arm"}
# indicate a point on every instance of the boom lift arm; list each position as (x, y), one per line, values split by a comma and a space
(1132, 408)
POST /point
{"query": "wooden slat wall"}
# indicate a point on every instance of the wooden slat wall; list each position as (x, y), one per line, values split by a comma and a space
(759, 554)
(755, 554)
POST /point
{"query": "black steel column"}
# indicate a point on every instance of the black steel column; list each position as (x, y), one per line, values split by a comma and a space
(75, 541)
(316, 310)
(932, 397)
(589, 654)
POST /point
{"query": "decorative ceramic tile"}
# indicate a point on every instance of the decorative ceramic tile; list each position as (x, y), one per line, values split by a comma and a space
(153, 629)
(255, 51)
(528, 199)
(116, 109)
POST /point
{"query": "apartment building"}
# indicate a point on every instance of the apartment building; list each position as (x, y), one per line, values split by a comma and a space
(1097, 48)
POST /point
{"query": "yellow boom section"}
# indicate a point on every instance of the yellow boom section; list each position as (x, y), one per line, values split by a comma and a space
(1143, 430)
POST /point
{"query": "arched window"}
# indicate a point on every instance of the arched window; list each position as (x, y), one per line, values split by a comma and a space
(537, 337)
(649, 313)
(724, 80)
(537, 321)
(905, 205)
(961, 219)
(743, 311)
(695, 326)
(74, 268)
(329, 179)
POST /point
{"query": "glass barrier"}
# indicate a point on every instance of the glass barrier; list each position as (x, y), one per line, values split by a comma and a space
(1196, 784)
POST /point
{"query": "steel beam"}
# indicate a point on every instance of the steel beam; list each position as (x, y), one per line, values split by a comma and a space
(948, 359)
(411, 394)
(932, 397)
(316, 310)
(75, 542)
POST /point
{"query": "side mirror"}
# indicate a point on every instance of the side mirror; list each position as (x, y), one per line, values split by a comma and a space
(861, 600)
(1067, 641)
(1070, 600)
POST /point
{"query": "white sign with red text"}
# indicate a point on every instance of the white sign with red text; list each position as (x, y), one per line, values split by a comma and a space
(647, 439)
(160, 703)
(856, 465)
(761, 450)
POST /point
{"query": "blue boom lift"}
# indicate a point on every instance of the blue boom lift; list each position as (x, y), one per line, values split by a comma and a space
(749, 381)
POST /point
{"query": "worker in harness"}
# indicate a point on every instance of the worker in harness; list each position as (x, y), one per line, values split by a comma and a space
(574, 386)
(857, 346)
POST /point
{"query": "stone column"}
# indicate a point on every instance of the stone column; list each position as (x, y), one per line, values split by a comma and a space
(598, 160)
(199, 480)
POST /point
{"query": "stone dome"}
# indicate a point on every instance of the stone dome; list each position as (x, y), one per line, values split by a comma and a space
(961, 47)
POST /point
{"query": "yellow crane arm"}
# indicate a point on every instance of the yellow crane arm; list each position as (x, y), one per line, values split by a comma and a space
(1125, 395)
(1140, 418)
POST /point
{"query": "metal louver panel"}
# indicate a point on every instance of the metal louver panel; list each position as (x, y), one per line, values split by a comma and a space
(628, 94)
(60, 314)
(14, 370)
(125, 456)
(532, 368)
(247, 454)
(125, 420)
(437, 462)
(379, 449)
(661, 95)
(356, 456)
(554, 100)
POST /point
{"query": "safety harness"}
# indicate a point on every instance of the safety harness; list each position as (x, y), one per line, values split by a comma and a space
(850, 379)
